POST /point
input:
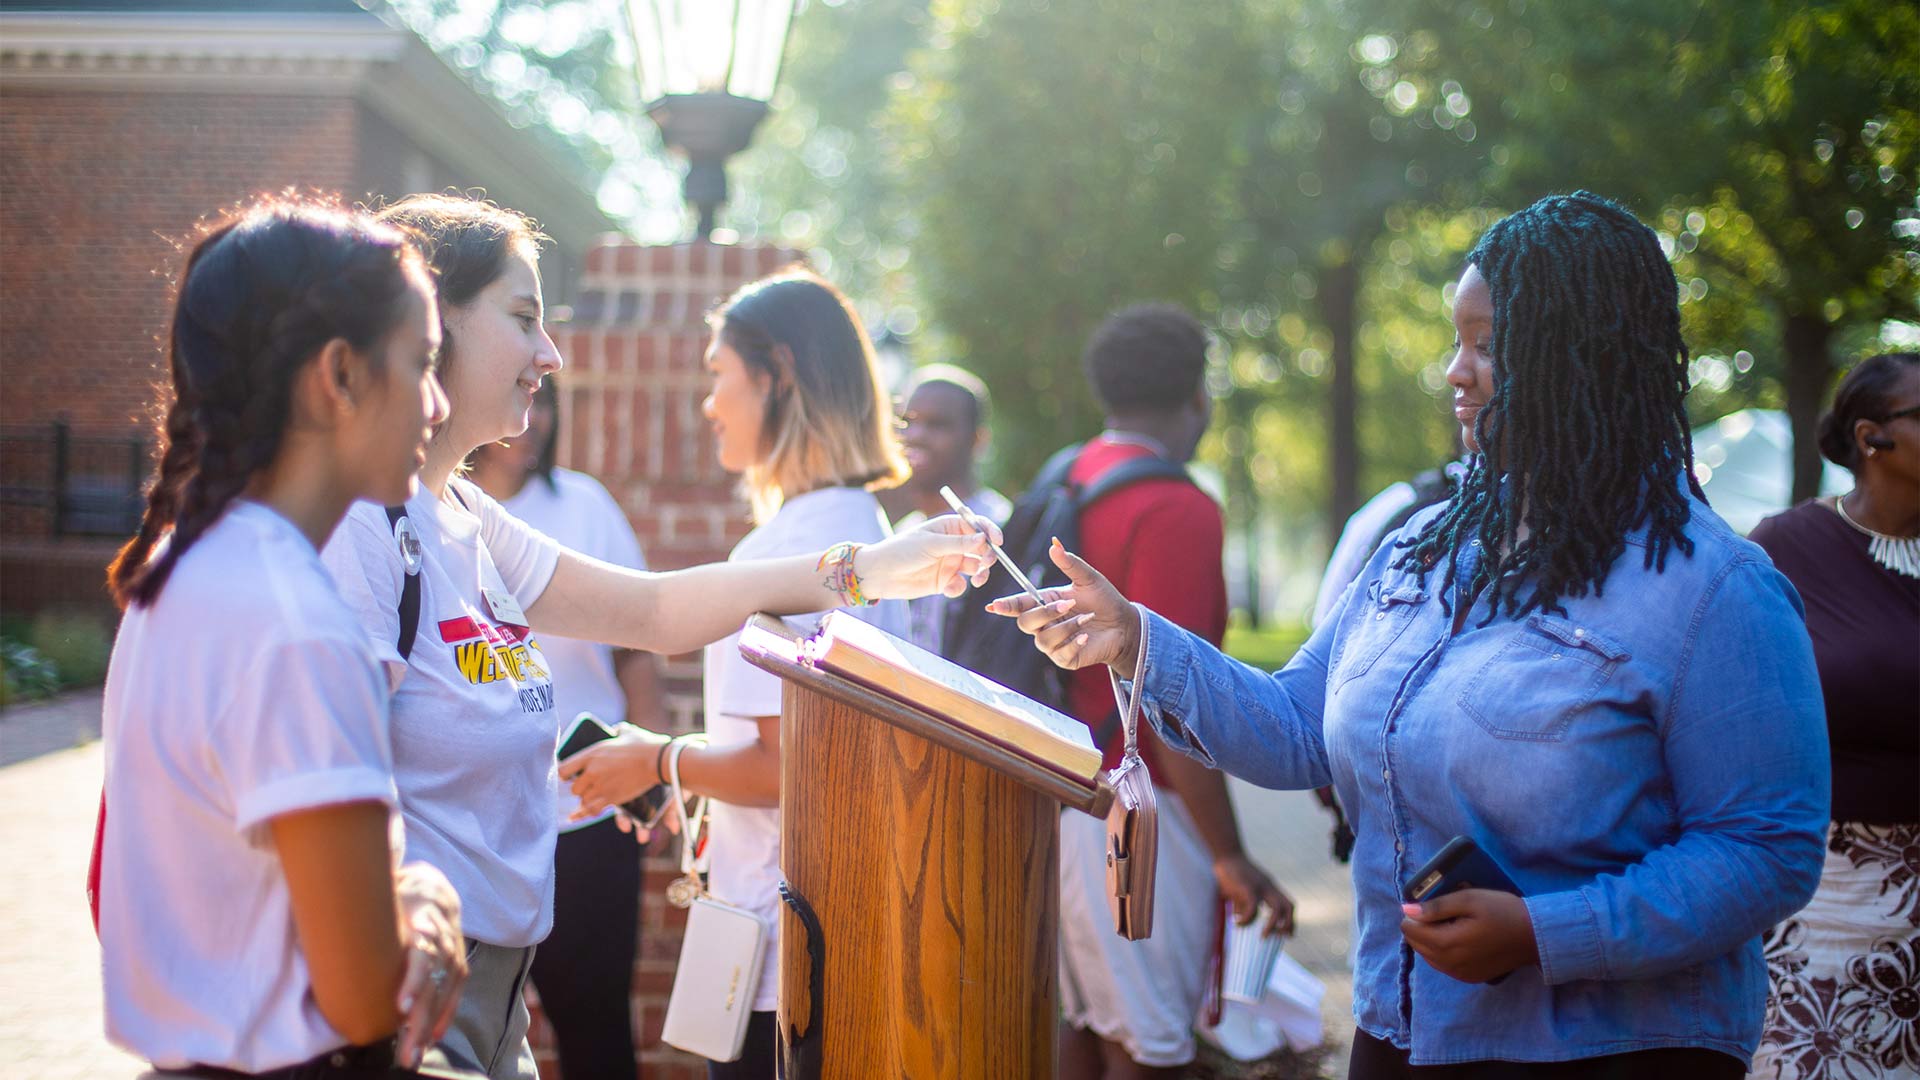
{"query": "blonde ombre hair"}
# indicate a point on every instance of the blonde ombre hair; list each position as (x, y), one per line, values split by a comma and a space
(828, 420)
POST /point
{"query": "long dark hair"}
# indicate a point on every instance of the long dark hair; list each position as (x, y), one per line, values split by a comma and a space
(1865, 394)
(264, 289)
(1587, 416)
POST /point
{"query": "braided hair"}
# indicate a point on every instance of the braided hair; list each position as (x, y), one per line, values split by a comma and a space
(263, 290)
(1585, 437)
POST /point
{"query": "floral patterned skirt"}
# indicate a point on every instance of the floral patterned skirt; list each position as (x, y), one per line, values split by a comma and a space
(1844, 972)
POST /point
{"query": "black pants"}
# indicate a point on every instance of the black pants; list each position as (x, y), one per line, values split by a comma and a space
(1377, 1059)
(759, 1055)
(584, 969)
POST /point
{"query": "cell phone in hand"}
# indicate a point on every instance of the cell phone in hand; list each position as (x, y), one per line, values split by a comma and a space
(647, 809)
(1459, 865)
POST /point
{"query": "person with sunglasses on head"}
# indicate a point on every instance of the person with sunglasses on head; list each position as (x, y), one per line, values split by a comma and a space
(1848, 964)
(475, 732)
(255, 918)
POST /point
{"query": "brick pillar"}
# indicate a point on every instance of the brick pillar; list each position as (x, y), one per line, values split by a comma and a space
(630, 417)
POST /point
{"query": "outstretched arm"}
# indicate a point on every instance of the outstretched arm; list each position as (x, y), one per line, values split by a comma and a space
(682, 610)
(1263, 728)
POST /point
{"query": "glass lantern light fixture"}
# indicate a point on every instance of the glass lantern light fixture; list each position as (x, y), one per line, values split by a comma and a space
(706, 70)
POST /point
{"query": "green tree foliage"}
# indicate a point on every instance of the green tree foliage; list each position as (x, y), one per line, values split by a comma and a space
(1064, 160)
(1786, 135)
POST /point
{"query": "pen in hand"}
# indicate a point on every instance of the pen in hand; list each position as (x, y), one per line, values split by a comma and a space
(973, 521)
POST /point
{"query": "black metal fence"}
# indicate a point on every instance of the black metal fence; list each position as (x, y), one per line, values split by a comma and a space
(56, 483)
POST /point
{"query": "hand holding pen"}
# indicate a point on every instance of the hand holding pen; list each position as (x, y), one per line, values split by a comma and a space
(979, 525)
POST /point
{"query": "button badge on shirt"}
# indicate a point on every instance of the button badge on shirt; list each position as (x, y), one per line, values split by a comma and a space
(409, 542)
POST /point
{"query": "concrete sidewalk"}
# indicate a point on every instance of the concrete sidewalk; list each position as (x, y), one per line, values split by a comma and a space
(50, 1012)
(50, 1008)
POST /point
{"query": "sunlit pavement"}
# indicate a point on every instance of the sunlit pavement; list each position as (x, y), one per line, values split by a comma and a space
(50, 1012)
(50, 1027)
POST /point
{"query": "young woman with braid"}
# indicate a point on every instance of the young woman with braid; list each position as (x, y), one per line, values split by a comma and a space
(474, 727)
(1573, 662)
(254, 915)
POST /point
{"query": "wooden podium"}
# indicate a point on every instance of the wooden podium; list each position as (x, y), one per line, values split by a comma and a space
(922, 889)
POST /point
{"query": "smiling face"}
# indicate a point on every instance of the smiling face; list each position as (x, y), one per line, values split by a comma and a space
(1470, 373)
(736, 406)
(389, 436)
(939, 436)
(501, 351)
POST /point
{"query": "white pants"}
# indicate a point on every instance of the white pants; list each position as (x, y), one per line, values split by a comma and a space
(1143, 995)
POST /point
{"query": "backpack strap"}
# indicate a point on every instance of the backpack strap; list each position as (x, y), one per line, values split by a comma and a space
(1054, 473)
(409, 595)
(1132, 471)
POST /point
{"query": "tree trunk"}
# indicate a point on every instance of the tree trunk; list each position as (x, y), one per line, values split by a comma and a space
(1250, 522)
(1809, 371)
(1339, 298)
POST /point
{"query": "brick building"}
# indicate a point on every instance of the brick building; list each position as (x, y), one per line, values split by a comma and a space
(121, 123)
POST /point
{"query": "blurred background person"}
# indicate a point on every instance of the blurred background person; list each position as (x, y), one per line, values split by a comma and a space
(584, 969)
(1129, 1007)
(1854, 951)
(944, 436)
(799, 412)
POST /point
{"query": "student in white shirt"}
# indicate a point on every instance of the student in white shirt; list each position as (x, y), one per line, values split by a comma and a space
(254, 913)
(798, 410)
(474, 727)
(584, 969)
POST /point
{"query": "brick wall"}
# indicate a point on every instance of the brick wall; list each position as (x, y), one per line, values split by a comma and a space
(94, 189)
(630, 416)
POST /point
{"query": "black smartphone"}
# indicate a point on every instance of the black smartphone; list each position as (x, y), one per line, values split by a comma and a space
(645, 810)
(1459, 865)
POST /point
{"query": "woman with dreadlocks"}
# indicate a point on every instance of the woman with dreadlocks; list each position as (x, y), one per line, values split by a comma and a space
(1573, 662)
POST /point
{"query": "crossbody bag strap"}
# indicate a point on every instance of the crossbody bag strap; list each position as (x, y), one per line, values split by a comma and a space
(690, 820)
(1130, 703)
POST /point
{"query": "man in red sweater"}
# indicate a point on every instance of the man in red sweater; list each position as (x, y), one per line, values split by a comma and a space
(1129, 1007)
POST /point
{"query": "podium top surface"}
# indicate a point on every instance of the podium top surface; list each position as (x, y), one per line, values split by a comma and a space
(1062, 789)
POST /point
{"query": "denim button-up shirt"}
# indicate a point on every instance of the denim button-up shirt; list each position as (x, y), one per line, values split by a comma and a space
(1650, 767)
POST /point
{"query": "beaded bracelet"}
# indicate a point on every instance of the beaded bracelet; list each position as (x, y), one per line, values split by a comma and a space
(838, 563)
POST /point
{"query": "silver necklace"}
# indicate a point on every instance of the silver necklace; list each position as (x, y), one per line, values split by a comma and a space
(1900, 554)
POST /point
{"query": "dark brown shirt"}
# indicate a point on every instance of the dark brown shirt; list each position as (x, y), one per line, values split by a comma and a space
(1865, 623)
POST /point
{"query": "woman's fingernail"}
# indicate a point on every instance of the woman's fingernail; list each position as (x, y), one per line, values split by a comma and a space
(1081, 640)
(1063, 606)
(1411, 910)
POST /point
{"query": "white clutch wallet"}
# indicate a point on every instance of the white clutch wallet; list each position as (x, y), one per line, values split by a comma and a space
(720, 953)
(713, 988)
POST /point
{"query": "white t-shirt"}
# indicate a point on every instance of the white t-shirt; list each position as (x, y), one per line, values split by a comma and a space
(579, 514)
(247, 692)
(745, 845)
(474, 730)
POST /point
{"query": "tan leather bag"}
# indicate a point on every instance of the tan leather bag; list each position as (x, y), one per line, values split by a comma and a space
(1133, 821)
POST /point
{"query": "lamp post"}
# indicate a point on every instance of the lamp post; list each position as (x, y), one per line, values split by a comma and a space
(707, 69)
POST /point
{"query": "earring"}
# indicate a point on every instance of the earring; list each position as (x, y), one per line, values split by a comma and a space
(1872, 450)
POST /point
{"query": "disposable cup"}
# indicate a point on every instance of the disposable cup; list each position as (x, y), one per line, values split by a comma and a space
(1249, 959)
